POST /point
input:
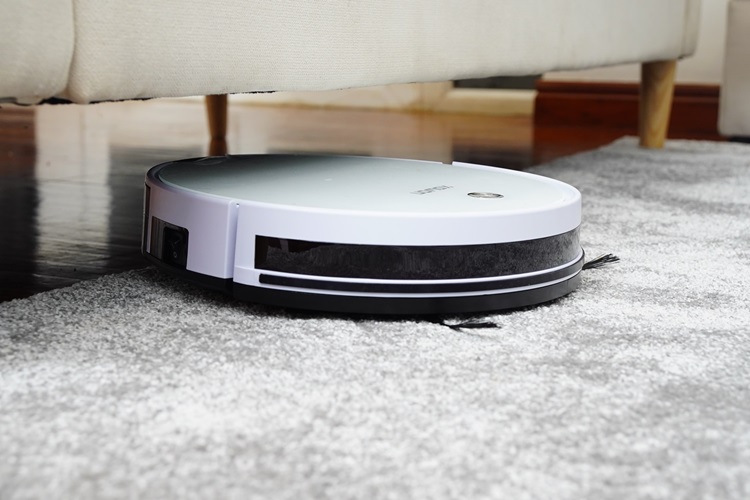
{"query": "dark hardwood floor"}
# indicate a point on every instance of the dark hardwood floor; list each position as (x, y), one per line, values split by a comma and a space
(71, 177)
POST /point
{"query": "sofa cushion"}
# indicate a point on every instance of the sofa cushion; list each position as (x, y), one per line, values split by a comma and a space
(734, 103)
(36, 49)
(142, 48)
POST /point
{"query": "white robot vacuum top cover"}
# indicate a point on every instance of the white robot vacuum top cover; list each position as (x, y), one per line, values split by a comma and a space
(364, 234)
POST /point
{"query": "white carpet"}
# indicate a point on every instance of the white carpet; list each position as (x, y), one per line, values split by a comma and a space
(635, 386)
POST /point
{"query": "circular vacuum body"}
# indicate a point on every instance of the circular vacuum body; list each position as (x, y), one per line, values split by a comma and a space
(364, 235)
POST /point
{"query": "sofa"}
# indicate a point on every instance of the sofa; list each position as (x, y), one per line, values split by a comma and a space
(84, 51)
(734, 100)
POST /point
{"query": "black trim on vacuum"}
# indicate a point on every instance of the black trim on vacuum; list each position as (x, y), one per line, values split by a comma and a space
(394, 262)
(477, 286)
(406, 306)
(397, 306)
(146, 212)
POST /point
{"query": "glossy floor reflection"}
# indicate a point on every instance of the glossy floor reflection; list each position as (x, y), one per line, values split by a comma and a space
(71, 177)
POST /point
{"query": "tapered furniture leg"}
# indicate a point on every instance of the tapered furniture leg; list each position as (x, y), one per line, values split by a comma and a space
(657, 88)
(216, 107)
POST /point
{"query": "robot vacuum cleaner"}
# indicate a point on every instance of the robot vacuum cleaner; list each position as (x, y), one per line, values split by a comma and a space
(364, 234)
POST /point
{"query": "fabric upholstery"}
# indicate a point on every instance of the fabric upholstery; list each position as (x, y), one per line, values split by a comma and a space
(142, 48)
(36, 48)
(734, 108)
(692, 23)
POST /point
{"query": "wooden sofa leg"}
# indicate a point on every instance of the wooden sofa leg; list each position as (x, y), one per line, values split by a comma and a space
(657, 88)
(216, 107)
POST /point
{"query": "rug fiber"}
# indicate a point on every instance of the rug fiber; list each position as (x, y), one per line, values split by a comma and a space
(637, 385)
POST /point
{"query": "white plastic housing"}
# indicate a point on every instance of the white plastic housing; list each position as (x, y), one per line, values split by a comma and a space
(225, 202)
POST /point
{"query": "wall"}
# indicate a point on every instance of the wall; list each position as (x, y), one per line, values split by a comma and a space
(704, 67)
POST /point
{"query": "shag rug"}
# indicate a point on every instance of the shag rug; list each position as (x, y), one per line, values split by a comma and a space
(637, 385)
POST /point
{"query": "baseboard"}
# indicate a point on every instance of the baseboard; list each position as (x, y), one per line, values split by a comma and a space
(695, 108)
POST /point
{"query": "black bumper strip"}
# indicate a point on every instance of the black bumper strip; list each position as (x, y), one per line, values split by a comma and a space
(477, 286)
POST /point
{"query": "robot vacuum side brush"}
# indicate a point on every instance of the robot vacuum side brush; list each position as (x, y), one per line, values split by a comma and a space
(364, 235)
